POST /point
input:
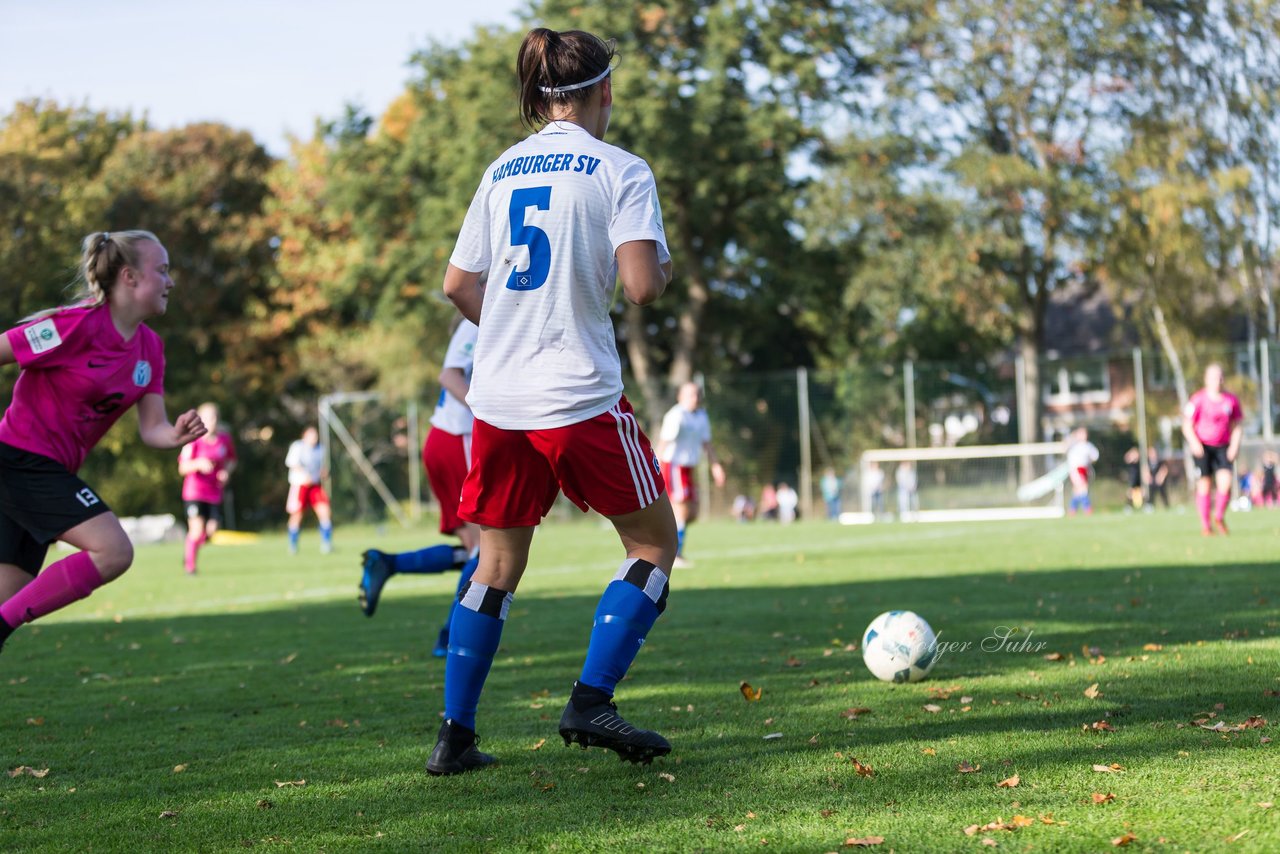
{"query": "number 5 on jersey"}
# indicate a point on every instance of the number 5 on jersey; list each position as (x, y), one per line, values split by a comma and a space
(530, 236)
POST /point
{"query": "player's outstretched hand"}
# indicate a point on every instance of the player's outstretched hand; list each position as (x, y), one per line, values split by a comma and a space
(188, 427)
(717, 474)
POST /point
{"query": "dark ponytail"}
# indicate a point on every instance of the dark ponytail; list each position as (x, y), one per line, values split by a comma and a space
(549, 61)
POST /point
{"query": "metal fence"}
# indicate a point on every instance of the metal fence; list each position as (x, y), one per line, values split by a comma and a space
(796, 426)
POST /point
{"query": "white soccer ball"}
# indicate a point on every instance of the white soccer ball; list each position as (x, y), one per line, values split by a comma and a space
(899, 646)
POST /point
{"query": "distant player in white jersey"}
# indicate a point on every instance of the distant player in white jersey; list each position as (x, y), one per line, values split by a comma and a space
(1081, 455)
(557, 219)
(446, 455)
(684, 437)
(305, 462)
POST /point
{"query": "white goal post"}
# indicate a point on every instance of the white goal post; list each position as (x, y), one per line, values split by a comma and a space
(965, 484)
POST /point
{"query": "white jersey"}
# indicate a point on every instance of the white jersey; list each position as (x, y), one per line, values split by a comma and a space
(544, 226)
(683, 435)
(1081, 455)
(309, 458)
(452, 415)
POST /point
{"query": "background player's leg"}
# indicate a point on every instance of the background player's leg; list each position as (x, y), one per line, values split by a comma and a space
(1222, 477)
(325, 517)
(195, 537)
(295, 529)
(1203, 501)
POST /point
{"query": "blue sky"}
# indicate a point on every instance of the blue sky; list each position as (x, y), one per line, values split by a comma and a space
(268, 66)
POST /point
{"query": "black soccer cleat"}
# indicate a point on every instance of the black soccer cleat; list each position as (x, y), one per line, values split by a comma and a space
(456, 751)
(600, 725)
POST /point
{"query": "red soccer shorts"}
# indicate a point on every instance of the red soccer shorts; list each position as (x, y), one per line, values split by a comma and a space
(305, 496)
(680, 483)
(604, 463)
(447, 457)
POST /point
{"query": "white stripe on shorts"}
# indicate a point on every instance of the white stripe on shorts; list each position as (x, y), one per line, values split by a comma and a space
(641, 476)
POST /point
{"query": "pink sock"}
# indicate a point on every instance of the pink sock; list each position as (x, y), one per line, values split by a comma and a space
(69, 580)
(1202, 504)
(1220, 505)
(193, 546)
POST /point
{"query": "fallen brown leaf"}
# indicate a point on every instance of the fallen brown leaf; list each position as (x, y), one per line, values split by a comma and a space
(966, 768)
(794, 662)
(1099, 798)
(826, 813)
(35, 721)
(1099, 726)
(854, 713)
(932, 708)
(1054, 656)
(169, 814)
(1092, 691)
(293, 784)
(928, 751)
(989, 842)
(1109, 769)
(537, 745)
(670, 778)
(1239, 835)
(863, 842)
(863, 770)
(178, 769)
(1152, 647)
(1266, 805)
(28, 770)
(1124, 840)
(1010, 783)
(749, 694)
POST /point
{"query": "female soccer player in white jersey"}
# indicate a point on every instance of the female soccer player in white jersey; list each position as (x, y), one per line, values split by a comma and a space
(556, 219)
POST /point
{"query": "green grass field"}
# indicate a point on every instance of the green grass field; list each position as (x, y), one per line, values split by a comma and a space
(184, 714)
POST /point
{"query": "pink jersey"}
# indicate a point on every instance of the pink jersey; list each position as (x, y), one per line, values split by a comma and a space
(1212, 419)
(198, 486)
(78, 377)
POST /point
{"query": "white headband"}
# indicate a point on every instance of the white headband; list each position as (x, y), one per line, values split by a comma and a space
(556, 90)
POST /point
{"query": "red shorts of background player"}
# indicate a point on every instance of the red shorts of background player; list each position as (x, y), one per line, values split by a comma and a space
(304, 497)
(1083, 474)
(680, 485)
(605, 463)
(447, 457)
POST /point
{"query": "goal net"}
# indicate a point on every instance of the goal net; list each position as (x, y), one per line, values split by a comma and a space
(979, 483)
(372, 456)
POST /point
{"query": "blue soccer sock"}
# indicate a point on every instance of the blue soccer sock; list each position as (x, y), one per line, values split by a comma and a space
(468, 570)
(326, 533)
(430, 560)
(680, 540)
(293, 537)
(474, 633)
(627, 611)
(1085, 503)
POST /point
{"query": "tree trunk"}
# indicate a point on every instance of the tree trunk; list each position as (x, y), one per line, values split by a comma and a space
(697, 295)
(641, 358)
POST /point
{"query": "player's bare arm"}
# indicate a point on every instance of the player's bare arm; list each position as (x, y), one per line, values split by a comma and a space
(643, 278)
(6, 351)
(465, 289)
(156, 430)
(454, 381)
(1189, 434)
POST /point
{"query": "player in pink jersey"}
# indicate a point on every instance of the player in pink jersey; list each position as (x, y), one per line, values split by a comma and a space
(205, 465)
(83, 366)
(557, 219)
(1212, 426)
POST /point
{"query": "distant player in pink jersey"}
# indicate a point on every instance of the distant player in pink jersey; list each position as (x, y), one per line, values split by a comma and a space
(557, 219)
(1212, 426)
(205, 465)
(83, 366)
